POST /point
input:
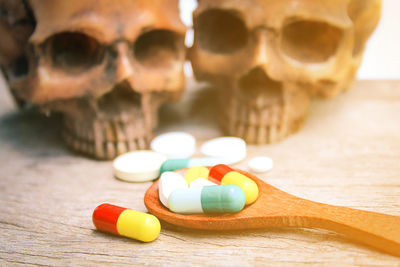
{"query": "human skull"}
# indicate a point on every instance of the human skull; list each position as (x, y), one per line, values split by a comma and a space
(107, 66)
(268, 58)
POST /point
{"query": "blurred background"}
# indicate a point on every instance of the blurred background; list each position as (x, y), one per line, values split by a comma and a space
(382, 56)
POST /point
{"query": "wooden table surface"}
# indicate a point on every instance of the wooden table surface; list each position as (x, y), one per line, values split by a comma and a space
(347, 154)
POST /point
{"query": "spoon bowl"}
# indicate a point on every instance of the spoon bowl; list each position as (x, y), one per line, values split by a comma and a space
(275, 208)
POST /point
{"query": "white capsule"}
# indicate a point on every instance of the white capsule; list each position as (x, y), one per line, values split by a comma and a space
(201, 182)
(207, 199)
(169, 181)
(186, 201)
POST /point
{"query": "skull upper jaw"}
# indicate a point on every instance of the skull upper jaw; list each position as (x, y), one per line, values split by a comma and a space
(308, 48)
(259, 109)
(118, 122)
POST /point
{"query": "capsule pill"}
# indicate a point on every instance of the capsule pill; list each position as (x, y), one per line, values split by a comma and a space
(196, 172)
(126, 222)
(226, 175)
(208, 199)
(201, 182)
(169, 181)
(177, 164)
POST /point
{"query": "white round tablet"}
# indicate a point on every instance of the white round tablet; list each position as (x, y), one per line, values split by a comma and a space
(174, 145)
(260, 164)
(138, 166)
(230, 149)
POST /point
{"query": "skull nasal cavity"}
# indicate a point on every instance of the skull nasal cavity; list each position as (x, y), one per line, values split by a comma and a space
(21, 66)
(257, 82)
(121, 97)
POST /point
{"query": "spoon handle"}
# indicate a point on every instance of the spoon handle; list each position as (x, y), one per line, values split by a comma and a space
(375, 229)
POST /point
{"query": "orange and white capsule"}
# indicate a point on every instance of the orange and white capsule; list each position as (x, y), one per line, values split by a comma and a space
(126, 222)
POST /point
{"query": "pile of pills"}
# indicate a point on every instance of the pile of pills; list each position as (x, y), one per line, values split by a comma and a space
(202, 190)
(172, 151)
(218, 189)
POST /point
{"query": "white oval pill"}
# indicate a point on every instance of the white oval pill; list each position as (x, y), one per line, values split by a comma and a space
(174, 145)
(138, 166)
(200, 182)
(169, 181)
(260, 164)
(230, 149)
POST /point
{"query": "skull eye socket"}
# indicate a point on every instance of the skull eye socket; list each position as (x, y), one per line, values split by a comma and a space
(220, 31)
(74, 51)
(310, 41)
(158, 48)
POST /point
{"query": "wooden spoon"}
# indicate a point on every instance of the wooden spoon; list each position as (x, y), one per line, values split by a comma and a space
(275, 208)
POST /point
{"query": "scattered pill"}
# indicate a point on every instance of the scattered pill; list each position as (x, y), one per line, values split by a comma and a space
(177, 164)
(196, 172)
(208, 199)
(226, 175)
(169, 181)
(174, 144)
(231, 149)
(138, 166)
(126, 222)
(200, 182)
(260, 164)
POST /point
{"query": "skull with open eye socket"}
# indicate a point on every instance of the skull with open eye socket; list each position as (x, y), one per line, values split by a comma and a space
(268, 58)
(106, 65)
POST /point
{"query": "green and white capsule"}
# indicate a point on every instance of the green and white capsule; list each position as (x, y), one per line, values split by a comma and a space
(177, 164)
(208, 199)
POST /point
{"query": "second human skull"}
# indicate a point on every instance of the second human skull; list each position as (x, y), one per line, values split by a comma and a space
(268, 58)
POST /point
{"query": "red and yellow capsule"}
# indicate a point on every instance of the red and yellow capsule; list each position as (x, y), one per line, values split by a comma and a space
(126, 222)
(227, 175)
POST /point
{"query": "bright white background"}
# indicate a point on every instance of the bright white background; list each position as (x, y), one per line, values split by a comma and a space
(382, 56)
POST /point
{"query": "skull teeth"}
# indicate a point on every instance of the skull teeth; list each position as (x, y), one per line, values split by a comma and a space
(260, 126)
(105, 140)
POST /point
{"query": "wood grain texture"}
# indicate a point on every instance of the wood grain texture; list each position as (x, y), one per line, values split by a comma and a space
(347, 154)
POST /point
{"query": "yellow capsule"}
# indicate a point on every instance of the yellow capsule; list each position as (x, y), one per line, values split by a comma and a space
(138, 225)
(248, 186)
(196, 172)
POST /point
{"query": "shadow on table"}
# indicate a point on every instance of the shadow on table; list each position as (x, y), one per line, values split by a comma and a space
(32, 134)
(199, 106)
